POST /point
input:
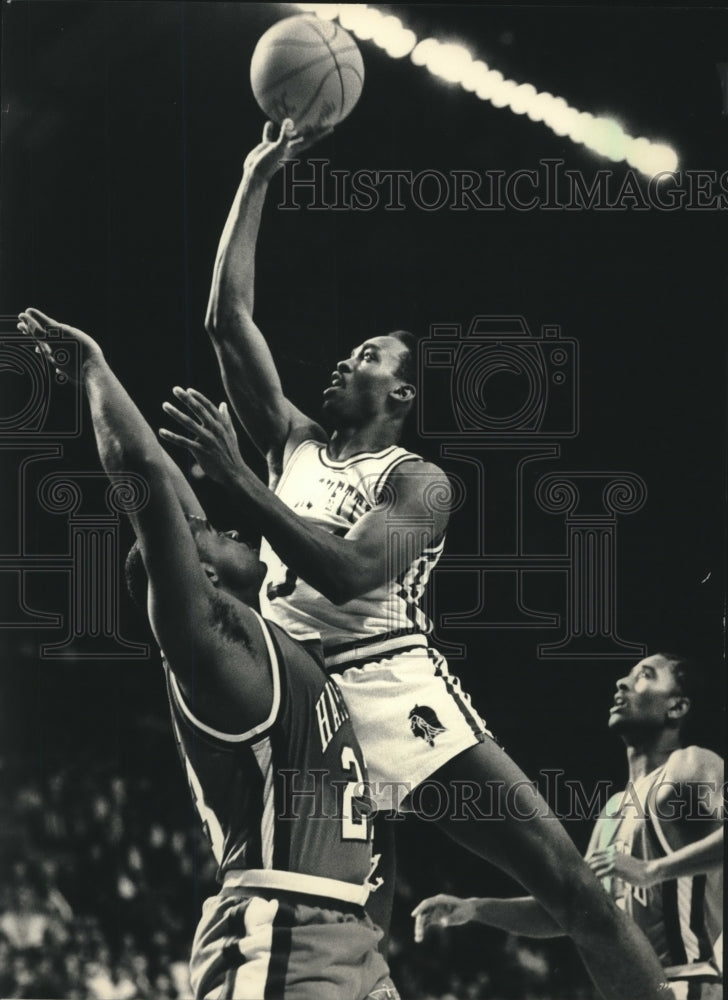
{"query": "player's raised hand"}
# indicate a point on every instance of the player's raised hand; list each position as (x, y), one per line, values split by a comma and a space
(210, 436)
(442, 911)
(271, 153)
(36, 325)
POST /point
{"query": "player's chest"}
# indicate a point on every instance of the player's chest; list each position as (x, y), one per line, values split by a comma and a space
(328, 496)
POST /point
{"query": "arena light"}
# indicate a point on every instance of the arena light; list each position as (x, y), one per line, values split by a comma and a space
(455, 64)
(326, 11)
(473, 74)
(448, 61)
(522, 98)
(392, 36)
(361, 20)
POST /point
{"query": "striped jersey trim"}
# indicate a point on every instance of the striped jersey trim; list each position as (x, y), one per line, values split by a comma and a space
(703, 971)
(256, 730)
(398, 460)
(283, 922)
(374, 648)
(452, 686)
(264, 758)
(310, 885)
(345, 463)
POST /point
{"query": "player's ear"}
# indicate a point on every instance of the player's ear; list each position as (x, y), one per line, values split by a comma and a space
(404, 393)
(210, 573)
(679, 708)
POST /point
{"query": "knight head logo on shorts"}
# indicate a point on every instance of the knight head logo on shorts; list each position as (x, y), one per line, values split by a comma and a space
(425, 724)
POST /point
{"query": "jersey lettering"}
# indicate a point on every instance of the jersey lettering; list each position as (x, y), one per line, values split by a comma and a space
(354, 825)
(331, 713)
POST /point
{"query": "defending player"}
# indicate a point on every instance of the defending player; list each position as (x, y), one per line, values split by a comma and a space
(336, 569)
(657, 846)
(264, 737)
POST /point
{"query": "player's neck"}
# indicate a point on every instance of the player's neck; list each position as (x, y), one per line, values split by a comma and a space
(376, 436)
(648, 751)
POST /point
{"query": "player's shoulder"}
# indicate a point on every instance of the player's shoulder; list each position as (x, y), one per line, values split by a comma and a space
(693, 763)
(303, 432)
(613, 805)
(421, 481)
(412, 465)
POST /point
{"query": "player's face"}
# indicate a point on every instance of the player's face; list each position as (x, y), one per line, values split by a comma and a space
(236, 563)
(644, 695)
(362, 383)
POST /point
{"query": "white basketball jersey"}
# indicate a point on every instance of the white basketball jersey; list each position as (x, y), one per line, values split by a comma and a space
(334, 496)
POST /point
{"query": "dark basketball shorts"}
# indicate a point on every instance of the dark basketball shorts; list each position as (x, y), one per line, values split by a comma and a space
(249, 947)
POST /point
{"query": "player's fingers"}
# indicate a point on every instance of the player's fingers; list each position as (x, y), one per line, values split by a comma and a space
(32, 327)
(306, 140)
(189, 424)
(431, 902)
(286, 132)
(203, 402)
(226, 418)
(41, 318)
(193, 446)
(269, 132)
(201, 413)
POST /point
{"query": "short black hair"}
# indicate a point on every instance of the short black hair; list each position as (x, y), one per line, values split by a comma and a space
(689, 677)
(407, 369)
(135, 574)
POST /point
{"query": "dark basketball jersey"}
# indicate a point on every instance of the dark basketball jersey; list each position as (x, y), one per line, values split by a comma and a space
(282, 799)
(682, 918)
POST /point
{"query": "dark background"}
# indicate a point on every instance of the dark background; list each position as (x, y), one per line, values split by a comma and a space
(125, 126)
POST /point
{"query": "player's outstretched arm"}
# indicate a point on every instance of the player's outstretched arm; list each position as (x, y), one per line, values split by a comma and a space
(234, 687)
(248, 371)
(340, 568)
(692, 785)
(699, 858)
(522, 916)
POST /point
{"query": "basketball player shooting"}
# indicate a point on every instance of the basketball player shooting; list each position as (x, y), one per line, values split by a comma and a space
(248, 704)
(336, 569)
(657, 846)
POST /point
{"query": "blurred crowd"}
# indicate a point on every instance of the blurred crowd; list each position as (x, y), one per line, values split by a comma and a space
(103, 879)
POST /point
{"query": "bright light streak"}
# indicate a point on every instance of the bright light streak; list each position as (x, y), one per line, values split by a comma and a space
(455, 64)
(423, 50)
(502, 93)
(451, 62)
(326, 11)
(361, 20)
(475, 72)
(488, 84)
(522, 98)
(391, 35)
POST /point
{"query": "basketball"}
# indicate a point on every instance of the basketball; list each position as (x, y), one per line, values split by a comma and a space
(308, 70)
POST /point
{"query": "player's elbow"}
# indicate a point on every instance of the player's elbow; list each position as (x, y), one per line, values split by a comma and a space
(222, 321)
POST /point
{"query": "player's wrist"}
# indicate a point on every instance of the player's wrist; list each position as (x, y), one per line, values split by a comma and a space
(654, 872)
